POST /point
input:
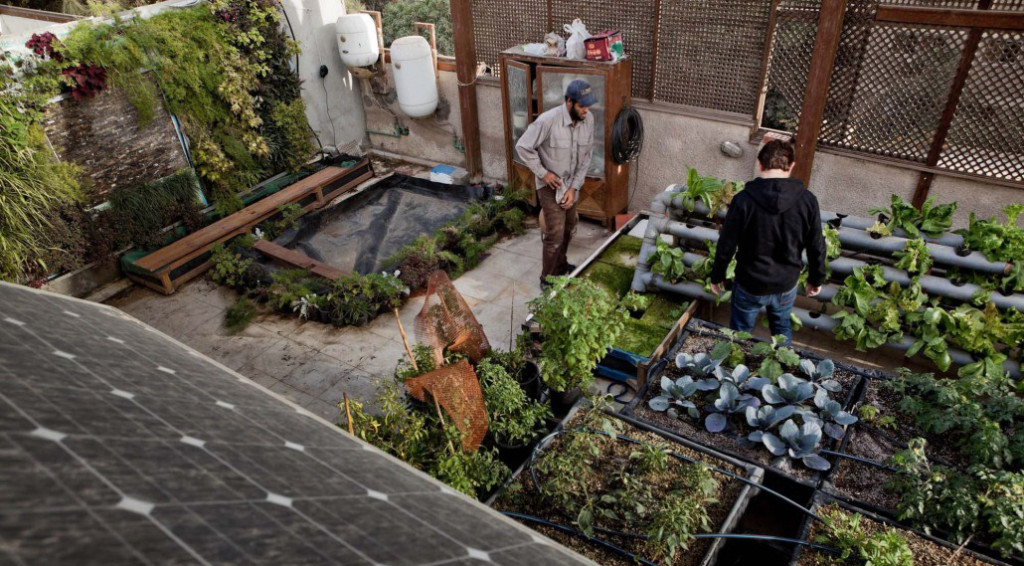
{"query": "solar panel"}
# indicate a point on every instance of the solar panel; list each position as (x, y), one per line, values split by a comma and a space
(119, 445)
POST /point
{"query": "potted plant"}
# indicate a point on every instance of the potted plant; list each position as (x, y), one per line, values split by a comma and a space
(523, 370)
(579, 322)
(515, 421)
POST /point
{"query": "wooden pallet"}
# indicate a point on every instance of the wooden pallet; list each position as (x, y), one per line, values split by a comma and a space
(169, 267)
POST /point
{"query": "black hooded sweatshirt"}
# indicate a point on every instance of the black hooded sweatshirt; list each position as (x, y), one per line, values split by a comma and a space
(772, 221)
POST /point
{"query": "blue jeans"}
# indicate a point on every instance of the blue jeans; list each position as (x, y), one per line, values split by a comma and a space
(745, 308)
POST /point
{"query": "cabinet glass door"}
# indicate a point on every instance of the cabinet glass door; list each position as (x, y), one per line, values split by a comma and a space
(520, 100)
(552, 83)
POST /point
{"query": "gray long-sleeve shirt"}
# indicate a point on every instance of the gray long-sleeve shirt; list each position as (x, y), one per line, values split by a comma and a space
(554, 143)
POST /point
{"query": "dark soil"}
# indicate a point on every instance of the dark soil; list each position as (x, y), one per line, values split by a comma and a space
(866, 483)
(926, 552)
(520, 496)
(735, 442)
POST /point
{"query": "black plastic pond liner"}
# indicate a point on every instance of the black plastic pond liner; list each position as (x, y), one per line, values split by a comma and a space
(822, 499)
(702, 327)
(361, 233)
(753, 481)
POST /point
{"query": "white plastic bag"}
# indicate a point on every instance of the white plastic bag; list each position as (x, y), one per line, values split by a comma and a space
(574, 46)
(537, 49)
(556, 45)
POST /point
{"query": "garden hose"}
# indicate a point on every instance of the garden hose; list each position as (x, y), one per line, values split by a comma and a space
(627, 135)
(548, 438)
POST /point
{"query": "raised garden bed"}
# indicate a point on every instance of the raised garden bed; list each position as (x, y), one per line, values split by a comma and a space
(606, 474)
(654, 324)
(702, 338)
(961, 474)
(924, 549)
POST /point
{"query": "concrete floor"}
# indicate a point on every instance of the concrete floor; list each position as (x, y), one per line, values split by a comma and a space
(312, 363)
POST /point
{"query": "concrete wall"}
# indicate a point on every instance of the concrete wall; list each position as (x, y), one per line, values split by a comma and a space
(432, 138)
(332, 103)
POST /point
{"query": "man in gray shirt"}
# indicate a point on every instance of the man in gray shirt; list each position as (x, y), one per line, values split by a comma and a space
(557, 147)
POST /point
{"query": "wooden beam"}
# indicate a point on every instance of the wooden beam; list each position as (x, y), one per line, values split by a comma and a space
(656, 44)
(826, 44)
(986, 19)
(924, 182)
(41, 15)
(465, 68)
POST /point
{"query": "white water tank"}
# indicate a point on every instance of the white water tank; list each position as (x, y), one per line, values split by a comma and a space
(357, 40)
(412, 66)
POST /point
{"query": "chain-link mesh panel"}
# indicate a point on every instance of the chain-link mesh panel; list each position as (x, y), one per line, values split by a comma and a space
(501, 24)
(636, 25)
(888, 98)
(986, 136)
(966, 4)
(710, 54)
(456, 389)
(446, 323)
(796, 22)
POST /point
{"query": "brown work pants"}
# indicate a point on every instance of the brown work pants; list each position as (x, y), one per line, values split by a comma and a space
(557, 229)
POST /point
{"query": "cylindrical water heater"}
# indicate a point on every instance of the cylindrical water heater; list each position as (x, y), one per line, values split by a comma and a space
(357, 40)
(412, 66)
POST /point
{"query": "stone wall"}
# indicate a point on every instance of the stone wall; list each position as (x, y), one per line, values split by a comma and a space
(102, 136)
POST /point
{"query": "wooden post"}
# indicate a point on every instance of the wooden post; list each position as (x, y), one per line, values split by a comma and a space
(924, 182)
(465, 66)
(826, 44)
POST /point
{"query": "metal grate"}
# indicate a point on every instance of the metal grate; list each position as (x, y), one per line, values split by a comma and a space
(711, 54)
(986, 136)
(796, 22)
(501, 24)
(636, 25)
(888, 98)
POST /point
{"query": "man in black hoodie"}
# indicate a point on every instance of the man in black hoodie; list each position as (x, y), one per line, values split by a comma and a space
(772, 221)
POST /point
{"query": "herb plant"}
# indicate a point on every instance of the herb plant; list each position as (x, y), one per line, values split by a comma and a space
(914, 257)
(885, 547)
(776, 357)
(579, 322)
(513, 418)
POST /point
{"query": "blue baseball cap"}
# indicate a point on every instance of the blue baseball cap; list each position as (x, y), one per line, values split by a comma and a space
(579, 91)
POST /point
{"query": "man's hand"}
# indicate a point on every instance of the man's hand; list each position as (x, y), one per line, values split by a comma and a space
(568, 199)
(813, 290)
(552, 180)
(716, 288)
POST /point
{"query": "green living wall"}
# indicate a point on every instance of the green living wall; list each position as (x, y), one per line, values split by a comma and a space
(222, 68)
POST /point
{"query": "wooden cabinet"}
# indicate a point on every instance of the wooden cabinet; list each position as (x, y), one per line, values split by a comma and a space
(531, 85)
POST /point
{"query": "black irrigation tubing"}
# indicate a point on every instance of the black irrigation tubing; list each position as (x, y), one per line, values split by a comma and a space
(861, 460)
(536, 482)
(739, 536)
(625, 389)
(581, 534)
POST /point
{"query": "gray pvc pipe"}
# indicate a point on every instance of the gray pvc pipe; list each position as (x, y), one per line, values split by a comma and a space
(823, 322)
(931, 284)
(862, 223)
(941, 254)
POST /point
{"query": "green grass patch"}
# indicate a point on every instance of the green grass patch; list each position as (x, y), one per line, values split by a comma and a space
(616, 280)
(624, 252)
(640, 338)
(664, 310)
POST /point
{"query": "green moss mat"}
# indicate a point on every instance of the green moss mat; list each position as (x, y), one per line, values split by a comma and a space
(614, 279)
(664, 310)
(623, 252)
(640, 338)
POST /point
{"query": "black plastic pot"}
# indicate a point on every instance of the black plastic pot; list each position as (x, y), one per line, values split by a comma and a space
(529, 380)
(513, 455)
(417, 405)
(562, 401)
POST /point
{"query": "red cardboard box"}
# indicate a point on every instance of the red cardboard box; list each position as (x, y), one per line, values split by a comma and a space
(604, 46)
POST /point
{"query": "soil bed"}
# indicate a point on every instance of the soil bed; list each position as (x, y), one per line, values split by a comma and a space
(865, 483)
(733, 443)
(926, 552)
(521, 496)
